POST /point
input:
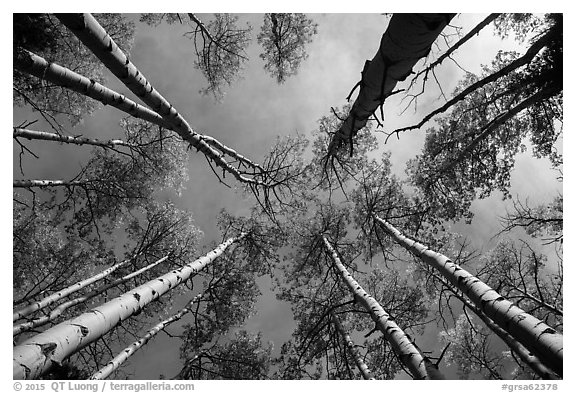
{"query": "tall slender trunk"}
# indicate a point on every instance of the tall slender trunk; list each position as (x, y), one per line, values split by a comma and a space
(89, 31)
(407, 352)
(76, 140)
(117, 361)
(86, 183)
(45, 183)
(362, 367)
(407, 39)
(17, 329)
(544, 341)
(36, 355)
(30, 63)
(520, 350)
(64, 292)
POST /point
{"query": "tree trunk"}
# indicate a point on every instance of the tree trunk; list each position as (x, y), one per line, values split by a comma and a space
(77, 140)
(89, 31)
(539, 338)
(46, 183)
(71, 303)
(85, 183)
(117, 361)
(520, 350)
(407, 352)
(29, 63)
(36, 355)
(64, 292)
(407, 39)
(362, 367)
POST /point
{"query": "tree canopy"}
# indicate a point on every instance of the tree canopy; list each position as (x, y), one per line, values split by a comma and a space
(248, 240)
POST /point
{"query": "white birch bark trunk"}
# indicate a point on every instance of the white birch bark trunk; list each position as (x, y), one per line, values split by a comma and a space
(32, 183)
(30, 63)
(534, 334)
(520, 350)
(407, 39)
(54, 297)
(36, 355)
(89, 31)
(45, 183)
(17, 329)
(119, 359)
(362, 366)
(76, 140)
(407, 352)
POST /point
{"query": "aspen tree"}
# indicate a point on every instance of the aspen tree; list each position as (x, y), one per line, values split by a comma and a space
(472, 150)
(362, 366)
(407, 39)
(283, 38)
(522, 274)
(408, 353)
(534, 334)
(30, 63)
(36, 355)
(89, 31)
(54, 297)
(520, 350)
(52, 183)
(76, 140)
(46, 259)
(45, 36)
(119, 359)
(545, 39)
(157, 152)
(222, 54)
(81, 299)
(220, 46)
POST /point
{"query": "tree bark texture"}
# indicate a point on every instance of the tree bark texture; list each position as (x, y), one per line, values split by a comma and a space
(362, 366)
(89, 31)
(520, 350)
(119, 359)
(76, 140)
(30, 63)
(407, 352)
(542, 340)
(46, 183)
(407, 39)
(36, 355)
(43, 320)
(54, 297)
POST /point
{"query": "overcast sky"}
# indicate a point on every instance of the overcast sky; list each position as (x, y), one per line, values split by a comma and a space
(255, 111)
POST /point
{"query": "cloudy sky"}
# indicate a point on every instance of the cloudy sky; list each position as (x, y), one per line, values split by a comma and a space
(256, 110)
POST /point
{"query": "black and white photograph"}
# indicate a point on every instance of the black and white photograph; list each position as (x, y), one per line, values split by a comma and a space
(287, 196)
